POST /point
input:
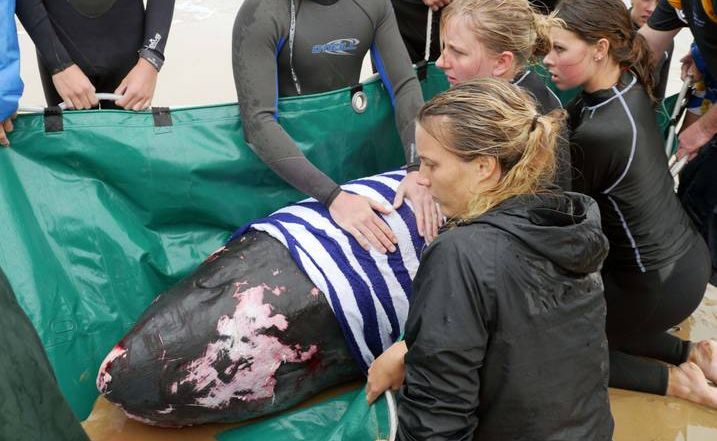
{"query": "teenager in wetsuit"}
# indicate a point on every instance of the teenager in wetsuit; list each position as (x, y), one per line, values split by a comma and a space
(495, 350)
(484, 38)
(101, 45)
(298, 47)
(657, 270)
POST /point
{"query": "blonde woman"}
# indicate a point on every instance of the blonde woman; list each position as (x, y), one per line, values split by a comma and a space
(499, 39)
(505, 335)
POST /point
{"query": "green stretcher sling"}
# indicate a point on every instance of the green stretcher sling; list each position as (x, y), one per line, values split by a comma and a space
(102, 210)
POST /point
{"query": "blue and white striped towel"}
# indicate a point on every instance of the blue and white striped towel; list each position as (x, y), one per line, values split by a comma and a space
(367, 291)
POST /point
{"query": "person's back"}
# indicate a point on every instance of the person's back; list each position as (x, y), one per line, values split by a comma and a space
(505, 335)
(538, 298)
(641, 215)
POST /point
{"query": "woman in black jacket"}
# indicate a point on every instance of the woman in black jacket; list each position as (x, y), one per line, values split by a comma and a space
(658, 266)
(505, 336)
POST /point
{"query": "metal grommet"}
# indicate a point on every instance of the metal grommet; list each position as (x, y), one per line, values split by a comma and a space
(359, 102)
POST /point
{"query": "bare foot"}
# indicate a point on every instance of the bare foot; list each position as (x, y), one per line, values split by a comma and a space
(687, 381)
(704, 355)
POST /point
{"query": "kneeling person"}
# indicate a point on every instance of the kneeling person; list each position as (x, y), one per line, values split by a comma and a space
(505, 334)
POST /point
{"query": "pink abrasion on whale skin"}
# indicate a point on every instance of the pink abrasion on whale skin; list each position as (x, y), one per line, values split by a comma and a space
(104, 378)
(255, 357)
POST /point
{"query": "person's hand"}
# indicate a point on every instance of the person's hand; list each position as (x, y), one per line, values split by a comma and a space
(138, 86)
(355, 214)
(5, 128)
(436, 4)
(692, 139)
(386, 372)
(75, 88)
(689, 68)
(428, 216)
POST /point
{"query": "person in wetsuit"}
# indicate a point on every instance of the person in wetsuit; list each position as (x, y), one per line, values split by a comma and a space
(86, 46)
(495, 350)
(483, 38)
(657, 269)
(698, 137)
(297, 47)
(412, 18)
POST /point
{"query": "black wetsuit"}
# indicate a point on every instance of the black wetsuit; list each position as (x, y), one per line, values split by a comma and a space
(331, 40)
(102, 37)
(505, 330)
(412, 18)
(547, 101)
(657, 269)
(698, 187)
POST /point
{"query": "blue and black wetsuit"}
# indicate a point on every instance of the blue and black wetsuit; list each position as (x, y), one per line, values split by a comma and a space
(102, 37)
(331, 38)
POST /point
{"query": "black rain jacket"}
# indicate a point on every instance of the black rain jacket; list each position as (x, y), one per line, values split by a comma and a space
(505, 331)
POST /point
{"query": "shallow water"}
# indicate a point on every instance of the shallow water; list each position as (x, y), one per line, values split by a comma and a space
(638, 417)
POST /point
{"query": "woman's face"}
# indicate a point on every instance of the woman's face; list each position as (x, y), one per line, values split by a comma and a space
(463, 56)
(570, 61)
(642, 10)
(451, 181)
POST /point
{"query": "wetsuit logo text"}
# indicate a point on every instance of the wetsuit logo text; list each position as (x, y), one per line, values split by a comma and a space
(342, 46)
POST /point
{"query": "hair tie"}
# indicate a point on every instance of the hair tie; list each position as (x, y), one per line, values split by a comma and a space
(535, 122)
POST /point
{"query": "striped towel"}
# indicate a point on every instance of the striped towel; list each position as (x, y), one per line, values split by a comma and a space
(367, 291)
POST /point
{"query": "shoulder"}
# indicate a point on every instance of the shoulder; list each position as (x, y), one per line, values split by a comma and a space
(467, 243)
(667, 16)
(546, 100)
(252, 11)
(261, 20)
(377, 10)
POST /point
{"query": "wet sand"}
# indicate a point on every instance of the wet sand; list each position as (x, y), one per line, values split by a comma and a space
(638, 417)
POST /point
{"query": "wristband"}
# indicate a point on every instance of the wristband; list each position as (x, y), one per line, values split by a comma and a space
(152, 56)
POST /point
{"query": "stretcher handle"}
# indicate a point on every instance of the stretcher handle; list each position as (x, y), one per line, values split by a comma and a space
(63, 106)
(677, 112)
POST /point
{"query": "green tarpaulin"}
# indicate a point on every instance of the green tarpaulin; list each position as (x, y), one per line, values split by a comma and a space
(102, 210)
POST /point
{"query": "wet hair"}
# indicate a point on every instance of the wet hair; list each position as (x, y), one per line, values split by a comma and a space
(490, 117)
(592, 20)
(504, 25)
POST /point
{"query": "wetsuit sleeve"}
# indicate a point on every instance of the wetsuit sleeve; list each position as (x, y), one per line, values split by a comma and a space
(665, 18)
(391, 59)
(34, 18)
(257, 40)
(157, 21)
(446, 336)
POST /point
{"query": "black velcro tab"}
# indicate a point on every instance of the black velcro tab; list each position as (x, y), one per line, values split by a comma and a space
(422, 70)
(162, 117)
(53, 119)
